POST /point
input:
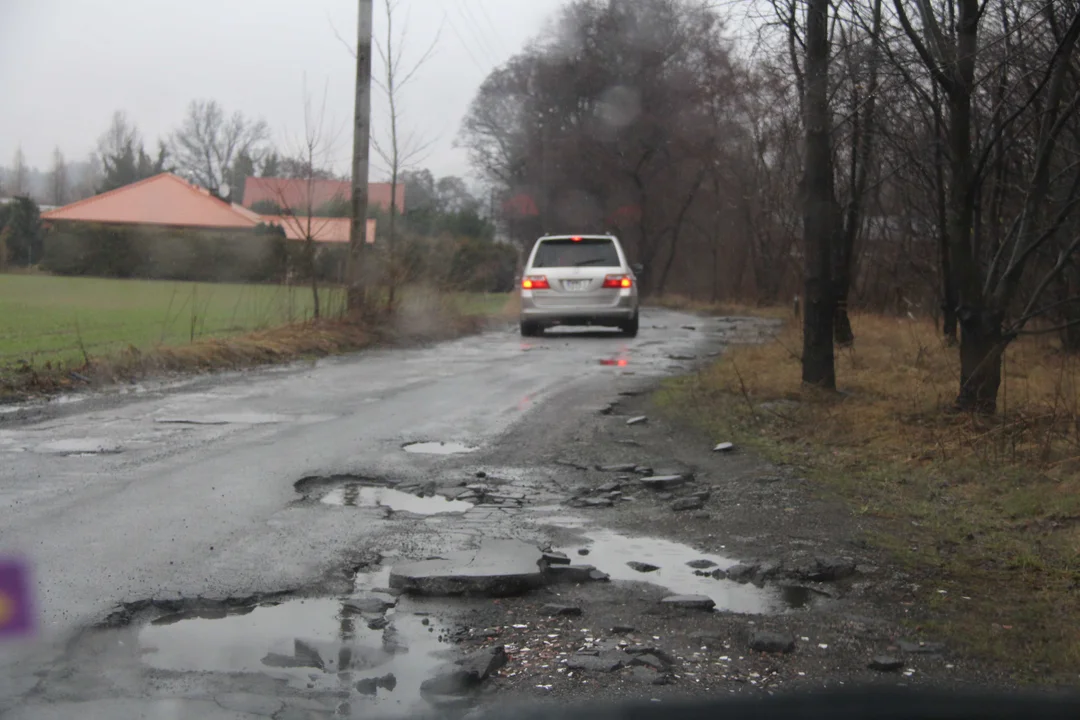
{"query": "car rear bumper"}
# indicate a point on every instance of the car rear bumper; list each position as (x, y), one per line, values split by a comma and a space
(535, 307)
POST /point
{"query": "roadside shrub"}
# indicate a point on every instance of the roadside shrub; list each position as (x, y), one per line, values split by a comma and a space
(165, 253)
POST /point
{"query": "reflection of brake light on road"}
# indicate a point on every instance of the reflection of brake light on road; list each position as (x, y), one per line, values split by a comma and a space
(535, 282)
(618, 281)
(621, 362)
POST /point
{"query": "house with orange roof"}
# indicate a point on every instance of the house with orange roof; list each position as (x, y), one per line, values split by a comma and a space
(165, 227)
(164, 200)
(305, 197)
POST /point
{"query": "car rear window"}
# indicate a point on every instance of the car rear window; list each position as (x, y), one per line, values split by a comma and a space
(596, 252)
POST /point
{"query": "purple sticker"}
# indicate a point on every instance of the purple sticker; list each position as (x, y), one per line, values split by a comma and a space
(16, 614)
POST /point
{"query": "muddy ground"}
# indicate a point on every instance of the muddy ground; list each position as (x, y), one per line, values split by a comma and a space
(756, 514)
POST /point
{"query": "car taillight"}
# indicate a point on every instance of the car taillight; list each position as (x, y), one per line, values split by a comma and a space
(618, 281)
(535, 282)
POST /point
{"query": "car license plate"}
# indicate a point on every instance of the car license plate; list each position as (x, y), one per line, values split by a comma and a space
(576, 285)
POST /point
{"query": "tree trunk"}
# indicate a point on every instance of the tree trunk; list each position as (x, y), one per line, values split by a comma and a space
(819, 206)
(981, 350)
(315, 310)
(949, 300)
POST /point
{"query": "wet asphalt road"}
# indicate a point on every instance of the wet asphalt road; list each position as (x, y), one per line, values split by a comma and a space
(189, 491)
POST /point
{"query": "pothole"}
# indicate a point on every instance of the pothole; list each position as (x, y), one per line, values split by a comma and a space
(438, 448)
(237, 418)
(356, 495)
(318, 485)
(622, 558)
(320, 645)
(80, 447)
(357, 491)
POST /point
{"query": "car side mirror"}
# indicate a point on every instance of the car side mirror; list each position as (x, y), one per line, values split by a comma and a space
(638, 268)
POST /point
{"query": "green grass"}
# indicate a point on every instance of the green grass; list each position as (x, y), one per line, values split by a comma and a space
(53, 319)
(480, 303)
(50, 321)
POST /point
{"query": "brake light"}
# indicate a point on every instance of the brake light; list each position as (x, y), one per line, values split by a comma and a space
(576, 238)
(535, 282)
(618, 281)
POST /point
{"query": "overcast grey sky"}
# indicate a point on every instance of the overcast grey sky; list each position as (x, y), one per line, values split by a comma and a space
(66, 65)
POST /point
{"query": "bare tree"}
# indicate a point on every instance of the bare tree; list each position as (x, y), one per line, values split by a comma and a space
(1002, 144)
(399, 150)
(59, 186)
(208, 142)
(19, 184)
(313, 154)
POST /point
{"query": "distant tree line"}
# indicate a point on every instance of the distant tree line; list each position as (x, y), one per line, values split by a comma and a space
(911, 156)
(220, 151)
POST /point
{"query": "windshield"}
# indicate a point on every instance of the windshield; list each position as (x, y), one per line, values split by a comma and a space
(400, 358)
(586, 252)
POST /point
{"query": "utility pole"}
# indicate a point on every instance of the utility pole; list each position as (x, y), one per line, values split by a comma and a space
(356, 270)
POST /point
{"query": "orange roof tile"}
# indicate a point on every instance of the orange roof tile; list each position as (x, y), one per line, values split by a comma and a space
(328, 230)
(293, 193)
(164, 199)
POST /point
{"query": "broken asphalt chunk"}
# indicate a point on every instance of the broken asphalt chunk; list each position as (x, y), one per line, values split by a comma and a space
(620, 467)
(465, 674)
(772, 642)
(552, 557)
(561, 610)
(690, 602)
(885, 663)
(642, 567)
(649, 660)
(497, 568)
(605, 662)
(743, 572)
(639, 420)
(571, 573)
(665, 482)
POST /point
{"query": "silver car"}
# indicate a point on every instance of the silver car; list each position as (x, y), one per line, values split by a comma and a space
(579, 280)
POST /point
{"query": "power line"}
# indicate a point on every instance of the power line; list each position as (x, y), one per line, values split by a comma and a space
(457, 34)
(477, 37)
(481, 30)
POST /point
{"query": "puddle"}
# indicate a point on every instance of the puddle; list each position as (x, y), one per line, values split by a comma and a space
(240, 418)
(610, 552)
(438, 448)
(79, 446)
(356, 495)
(318, 645)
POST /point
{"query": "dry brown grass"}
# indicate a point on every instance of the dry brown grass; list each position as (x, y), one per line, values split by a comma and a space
(986, 509)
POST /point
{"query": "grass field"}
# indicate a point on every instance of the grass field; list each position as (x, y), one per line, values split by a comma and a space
(986, 510)
(57, 321)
